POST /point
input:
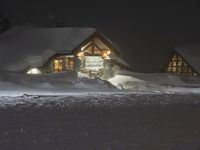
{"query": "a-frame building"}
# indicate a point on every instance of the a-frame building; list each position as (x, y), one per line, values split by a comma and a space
(183, 61)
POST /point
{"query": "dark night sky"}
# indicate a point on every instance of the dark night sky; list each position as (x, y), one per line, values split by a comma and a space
(145, 30)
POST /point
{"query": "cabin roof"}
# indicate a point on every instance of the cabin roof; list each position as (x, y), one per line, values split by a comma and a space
(191, 54)
(33, 45)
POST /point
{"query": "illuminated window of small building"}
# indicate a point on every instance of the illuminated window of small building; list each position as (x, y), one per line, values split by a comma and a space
(174, 69)
(179, 58)
(58, 65)
(179, 69)
(69, 62)
(169, 69)
(179, 66)
(180, 63)
(174, 58)
(34, 71)
(63, 63)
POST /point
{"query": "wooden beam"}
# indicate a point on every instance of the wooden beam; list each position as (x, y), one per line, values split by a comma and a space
(97, 46)
(87, 46)
(93, 46)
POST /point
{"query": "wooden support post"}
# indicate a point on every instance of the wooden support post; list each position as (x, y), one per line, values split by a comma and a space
(92, 46)
(90, 74)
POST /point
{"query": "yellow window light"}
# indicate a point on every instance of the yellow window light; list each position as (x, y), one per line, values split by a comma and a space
(58, 65)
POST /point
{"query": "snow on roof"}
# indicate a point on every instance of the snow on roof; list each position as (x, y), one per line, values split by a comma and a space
(191, 54)
(120, 61)
(24, 46)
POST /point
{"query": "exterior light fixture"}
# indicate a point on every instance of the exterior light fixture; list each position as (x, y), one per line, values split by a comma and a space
(80, 54)
(82, 48)
(34, 71)
(106, 54)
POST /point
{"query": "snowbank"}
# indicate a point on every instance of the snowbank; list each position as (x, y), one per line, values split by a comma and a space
(153, 82)
(73, 83)
(14, 84)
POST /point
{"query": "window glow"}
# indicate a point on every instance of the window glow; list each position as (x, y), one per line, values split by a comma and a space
(58, 65)
(61, 64)
(179, 66)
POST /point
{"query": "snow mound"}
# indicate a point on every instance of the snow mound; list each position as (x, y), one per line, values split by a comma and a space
(152, 82)
(14, 84)
(75, 83)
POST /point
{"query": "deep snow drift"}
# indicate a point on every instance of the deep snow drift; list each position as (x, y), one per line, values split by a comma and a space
(155, 82)
(73, 83)
(15, 84)
(57, 111)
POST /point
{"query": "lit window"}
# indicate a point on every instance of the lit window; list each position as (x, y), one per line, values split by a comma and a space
(180, 63)
(34, 71)
(169, 69)
(174, 58)
(58, 66)
(174, 69)
(69, 63)
(179, 66)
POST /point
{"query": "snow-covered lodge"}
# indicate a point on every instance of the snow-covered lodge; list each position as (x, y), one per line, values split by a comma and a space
(33, 50)
(183, 60)
(54, 50)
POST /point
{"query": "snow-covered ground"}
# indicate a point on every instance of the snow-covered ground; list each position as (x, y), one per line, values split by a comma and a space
(100, 121)
(69, 111)
(155, 82)
(73, 83)
(16, 84)
(109, 99)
